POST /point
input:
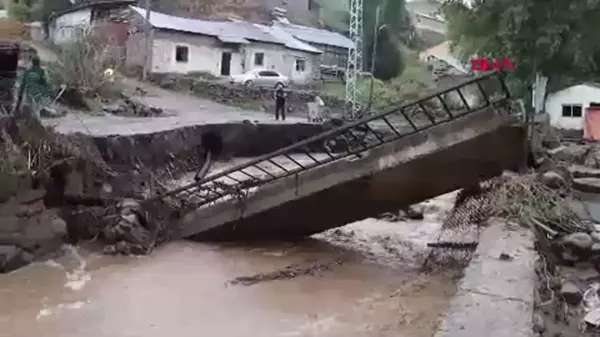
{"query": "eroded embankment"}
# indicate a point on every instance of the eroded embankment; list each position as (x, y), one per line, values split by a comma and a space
(243, 139)
(76, 187)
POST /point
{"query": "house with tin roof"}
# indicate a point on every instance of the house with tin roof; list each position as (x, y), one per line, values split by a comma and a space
(221, 48)
(64, 26)
(334, 45)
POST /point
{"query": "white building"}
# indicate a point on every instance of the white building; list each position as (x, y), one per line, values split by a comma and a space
(567, 107)
(62, 26)
(222, 48)
(334, 45)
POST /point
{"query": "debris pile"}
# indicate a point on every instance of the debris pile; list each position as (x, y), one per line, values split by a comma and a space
(56, 188)
(127, 106)
(567, 293)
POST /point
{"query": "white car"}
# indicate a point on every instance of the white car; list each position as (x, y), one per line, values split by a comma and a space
(261, 77)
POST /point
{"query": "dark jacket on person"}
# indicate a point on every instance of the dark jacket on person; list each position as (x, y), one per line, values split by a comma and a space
(279, 95)
(35, 82)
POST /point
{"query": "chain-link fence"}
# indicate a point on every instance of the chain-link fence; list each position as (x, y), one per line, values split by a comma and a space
(456, 243)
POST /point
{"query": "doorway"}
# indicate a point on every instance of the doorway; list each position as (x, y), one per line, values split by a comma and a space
(226, 64)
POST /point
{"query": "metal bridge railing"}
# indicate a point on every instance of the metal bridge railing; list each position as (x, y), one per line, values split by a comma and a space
(348, 140)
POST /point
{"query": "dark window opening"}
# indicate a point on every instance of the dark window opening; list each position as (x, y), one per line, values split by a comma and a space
(259, 59)
(182, 54)
(572, 110)
(300, 65)
(268, 73)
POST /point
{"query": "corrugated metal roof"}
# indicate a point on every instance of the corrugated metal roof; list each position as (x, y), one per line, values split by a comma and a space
(289, 40)
(315, 35)
(226, 29)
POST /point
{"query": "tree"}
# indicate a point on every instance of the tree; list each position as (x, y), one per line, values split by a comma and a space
(20, 11)
(396, 27)
(397, 19)
(389, 62)
(556, 38)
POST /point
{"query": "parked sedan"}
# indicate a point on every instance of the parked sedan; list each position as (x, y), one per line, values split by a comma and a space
(261, 77)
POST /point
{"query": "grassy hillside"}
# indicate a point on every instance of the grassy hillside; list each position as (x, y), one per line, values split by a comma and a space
(251, 10)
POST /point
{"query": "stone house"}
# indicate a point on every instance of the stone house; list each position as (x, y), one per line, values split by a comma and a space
(64, 26)
(221, 48)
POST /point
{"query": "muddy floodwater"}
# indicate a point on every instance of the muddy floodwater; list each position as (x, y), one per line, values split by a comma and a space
(368, 284)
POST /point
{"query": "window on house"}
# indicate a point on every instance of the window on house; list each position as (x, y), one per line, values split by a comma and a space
(182, 54)
(572, 110)
(259, 59)
(300, 65)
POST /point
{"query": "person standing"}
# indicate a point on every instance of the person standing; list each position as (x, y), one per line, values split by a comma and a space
(35, 84)
(280, 103)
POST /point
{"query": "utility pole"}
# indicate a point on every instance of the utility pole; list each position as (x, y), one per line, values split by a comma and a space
(376, 31)
(355, 59)
(148, 46)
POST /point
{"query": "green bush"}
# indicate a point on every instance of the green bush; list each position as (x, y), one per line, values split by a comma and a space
(19, 11)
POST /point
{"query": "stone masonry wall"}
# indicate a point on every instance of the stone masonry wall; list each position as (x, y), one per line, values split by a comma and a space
(242, 96)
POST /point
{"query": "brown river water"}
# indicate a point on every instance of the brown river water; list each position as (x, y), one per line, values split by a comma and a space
(373, 287)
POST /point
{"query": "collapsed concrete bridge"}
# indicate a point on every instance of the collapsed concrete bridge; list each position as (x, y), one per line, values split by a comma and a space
(452, 139)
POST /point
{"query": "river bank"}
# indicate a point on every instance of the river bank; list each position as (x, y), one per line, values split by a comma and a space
(374, 288)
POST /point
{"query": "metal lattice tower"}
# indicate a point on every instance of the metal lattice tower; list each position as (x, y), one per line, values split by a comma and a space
(355, 59)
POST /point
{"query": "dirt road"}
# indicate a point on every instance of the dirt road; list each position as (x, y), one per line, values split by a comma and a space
(180, 110)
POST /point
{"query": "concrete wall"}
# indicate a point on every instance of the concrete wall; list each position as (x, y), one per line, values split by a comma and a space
(412, 169)
(65, 27)
(580, 94)
(135, 43)
(496, 298)
(205, 54)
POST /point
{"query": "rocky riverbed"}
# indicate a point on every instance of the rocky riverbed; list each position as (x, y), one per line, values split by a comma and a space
(568, 289)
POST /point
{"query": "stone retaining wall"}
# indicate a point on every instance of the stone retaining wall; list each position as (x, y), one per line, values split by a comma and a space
(242, 96)
(238, 140)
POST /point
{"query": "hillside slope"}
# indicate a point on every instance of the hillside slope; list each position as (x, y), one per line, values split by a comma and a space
(252, 10)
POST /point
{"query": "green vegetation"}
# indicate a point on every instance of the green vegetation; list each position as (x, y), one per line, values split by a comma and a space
(555, 38)
(398, 71)
(35, 10)
(415, 79)
(21, 10)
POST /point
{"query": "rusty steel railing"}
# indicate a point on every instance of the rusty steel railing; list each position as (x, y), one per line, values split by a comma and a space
(351, 139)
